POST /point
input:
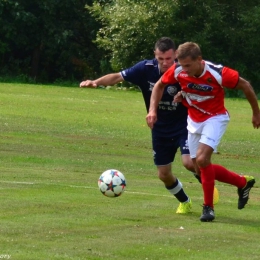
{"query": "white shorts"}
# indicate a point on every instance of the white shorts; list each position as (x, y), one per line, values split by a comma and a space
(208, 132)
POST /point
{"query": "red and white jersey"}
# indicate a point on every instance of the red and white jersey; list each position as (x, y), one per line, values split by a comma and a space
(204, 95)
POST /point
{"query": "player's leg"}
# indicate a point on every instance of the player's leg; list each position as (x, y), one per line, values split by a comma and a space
(203, 160)
(174, 186)
(206, 178)
(164, 153)
(243, 183)
(191, 165)
(200, 152)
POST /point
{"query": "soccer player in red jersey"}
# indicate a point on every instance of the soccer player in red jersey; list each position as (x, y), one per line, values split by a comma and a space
(202, 85)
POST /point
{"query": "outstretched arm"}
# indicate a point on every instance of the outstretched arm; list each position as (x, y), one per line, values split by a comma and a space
(156, 96)
(109, 79)
(249, 92)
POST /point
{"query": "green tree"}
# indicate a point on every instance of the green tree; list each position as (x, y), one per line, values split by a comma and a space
(48, 40)
(242, 46)
(129, 29)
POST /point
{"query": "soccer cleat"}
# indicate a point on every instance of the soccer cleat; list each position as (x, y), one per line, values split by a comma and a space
(184, 207)
(243, 193)
(207, 214)
(215, 196)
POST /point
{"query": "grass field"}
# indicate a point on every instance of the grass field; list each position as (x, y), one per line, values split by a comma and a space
(56, 141)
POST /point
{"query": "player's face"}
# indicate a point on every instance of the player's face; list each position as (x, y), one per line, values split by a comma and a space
(165, 59)
(192, 67)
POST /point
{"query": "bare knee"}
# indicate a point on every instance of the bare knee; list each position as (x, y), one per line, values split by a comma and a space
(165, 175)
(203, 157)
(201, 161)
(196, 167)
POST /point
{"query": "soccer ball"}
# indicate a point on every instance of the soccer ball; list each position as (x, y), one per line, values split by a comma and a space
(112, 183)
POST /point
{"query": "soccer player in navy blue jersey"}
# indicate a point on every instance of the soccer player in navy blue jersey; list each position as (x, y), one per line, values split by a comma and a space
(170, 131)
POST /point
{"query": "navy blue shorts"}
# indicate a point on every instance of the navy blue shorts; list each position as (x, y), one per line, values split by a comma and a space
(164, 149)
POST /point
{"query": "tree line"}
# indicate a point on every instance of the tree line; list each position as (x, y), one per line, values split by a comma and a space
(70, 40)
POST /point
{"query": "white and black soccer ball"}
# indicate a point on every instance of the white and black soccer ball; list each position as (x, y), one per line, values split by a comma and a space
(112, 183)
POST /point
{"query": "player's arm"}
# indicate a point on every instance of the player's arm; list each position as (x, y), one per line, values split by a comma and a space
(156, 96)
(107, 80)
(249, 92)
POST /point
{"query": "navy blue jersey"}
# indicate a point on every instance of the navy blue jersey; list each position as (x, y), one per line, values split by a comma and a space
(171, 117)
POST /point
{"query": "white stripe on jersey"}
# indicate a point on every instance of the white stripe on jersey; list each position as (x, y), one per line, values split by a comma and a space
(213, 72)
(177, 72)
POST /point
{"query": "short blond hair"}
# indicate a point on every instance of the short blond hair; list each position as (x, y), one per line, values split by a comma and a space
(188, 49)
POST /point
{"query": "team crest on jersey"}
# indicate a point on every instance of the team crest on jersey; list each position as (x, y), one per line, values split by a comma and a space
(209, 80)
(172, 90)
(200, 87)
(151, 85)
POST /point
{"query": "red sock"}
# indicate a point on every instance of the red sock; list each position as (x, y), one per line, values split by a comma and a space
(208, 182)
(224, 175)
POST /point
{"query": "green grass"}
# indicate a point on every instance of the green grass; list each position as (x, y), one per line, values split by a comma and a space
(56, 141)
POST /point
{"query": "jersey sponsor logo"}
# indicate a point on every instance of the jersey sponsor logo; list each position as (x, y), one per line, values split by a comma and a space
(200, 87)
(167, 108)
(168, 103)
(172, 90)
(198, 98)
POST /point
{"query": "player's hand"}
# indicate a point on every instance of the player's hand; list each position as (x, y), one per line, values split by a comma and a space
(178, 97)
(256, 120)
(88, 84)
(151, 118)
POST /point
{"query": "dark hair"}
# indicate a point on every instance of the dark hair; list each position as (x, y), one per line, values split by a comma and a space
(188, 49)
(164, 44)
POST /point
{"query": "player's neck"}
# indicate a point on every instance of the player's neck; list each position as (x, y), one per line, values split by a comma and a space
(200, 70)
